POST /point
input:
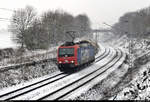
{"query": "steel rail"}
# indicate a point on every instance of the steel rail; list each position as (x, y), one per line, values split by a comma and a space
(81, 82)
(10, 95)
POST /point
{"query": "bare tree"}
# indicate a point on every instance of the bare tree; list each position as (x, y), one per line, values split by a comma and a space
(22, 19)
(38, 33)
(36, 37)
(56, 24)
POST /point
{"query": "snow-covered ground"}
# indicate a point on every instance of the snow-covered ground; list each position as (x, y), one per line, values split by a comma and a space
(126, 84)
(80, 74)
(137, 86)
(26, 73)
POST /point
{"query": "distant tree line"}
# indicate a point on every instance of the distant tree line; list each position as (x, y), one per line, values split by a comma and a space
(134, 24)
(39, 32)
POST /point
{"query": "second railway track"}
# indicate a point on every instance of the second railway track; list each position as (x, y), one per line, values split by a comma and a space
(19, 90)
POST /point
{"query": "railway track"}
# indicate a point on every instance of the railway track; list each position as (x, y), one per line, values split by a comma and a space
(93, 81)
(4, 92)
(67, 90)
(60, 84)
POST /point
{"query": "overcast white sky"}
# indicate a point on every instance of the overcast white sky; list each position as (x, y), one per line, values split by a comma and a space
(99, 11)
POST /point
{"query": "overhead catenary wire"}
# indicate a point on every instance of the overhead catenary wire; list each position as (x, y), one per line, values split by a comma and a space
(6, 9)
(5, 19)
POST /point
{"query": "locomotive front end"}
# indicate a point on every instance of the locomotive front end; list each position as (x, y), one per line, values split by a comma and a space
(67, 57)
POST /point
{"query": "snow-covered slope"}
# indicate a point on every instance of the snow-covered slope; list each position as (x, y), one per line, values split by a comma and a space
(138, 87)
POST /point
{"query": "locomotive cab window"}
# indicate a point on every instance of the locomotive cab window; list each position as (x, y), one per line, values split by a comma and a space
(66, 52)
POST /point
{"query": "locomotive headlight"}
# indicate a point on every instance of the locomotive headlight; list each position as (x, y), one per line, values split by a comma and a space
(60, 62)
(72, 61)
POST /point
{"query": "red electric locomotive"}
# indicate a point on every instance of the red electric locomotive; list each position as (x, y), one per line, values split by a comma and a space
(72, 55)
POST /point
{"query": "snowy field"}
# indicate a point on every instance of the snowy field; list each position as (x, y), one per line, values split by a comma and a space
(21, 76)
(5, 40)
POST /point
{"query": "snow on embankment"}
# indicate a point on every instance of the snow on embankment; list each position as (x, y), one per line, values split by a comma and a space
(19, 57)
(26, 73)
(20, 74)
(138, 86)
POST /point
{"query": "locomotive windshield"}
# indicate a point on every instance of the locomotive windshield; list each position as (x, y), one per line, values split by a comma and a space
(66, 52)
